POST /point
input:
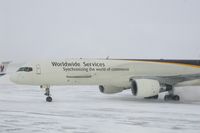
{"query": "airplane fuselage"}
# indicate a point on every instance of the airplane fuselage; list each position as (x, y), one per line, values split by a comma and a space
(100, 71)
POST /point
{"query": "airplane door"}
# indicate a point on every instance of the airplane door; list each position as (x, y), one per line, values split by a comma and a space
(38, 69)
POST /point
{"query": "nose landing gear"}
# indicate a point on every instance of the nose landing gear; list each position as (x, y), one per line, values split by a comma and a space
(47, 93)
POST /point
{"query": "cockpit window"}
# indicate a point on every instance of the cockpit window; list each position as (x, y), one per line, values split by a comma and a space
(25, 69)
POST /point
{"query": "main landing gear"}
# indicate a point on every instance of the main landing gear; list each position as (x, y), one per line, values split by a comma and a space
(171, 96)
(47, 93)
(153, 97)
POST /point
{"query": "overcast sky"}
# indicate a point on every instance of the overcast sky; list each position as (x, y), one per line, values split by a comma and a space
(31, 29)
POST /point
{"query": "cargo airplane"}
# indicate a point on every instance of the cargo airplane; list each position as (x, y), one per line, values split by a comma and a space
(145, 78)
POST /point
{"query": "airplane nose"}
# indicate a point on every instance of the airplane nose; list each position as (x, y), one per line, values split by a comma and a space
(13, 78)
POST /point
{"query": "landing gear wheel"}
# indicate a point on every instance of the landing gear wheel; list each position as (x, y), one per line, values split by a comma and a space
(49, 99)
(47, 93)
(171, 97)
(176, 98)
(153, 97)
(167, 97)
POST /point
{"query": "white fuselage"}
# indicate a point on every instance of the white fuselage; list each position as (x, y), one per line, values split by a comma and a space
(98, 72)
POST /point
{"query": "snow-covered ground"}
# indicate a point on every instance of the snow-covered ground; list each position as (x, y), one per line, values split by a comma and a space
(85, 110)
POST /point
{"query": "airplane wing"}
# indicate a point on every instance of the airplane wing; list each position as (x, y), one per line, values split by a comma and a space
(170, 80)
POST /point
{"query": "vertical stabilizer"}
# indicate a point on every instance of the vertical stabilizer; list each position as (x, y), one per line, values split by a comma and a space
(3, 68)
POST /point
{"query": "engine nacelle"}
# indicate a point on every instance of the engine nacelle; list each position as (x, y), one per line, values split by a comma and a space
(145, 87)
(110, 89)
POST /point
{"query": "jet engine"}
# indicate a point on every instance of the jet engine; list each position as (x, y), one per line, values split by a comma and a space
(145, 87)
(110, 89)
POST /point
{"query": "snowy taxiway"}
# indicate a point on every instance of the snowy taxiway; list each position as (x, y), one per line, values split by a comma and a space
(84, 110)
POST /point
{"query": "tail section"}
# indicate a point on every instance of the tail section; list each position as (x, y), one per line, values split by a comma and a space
(3, 68)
